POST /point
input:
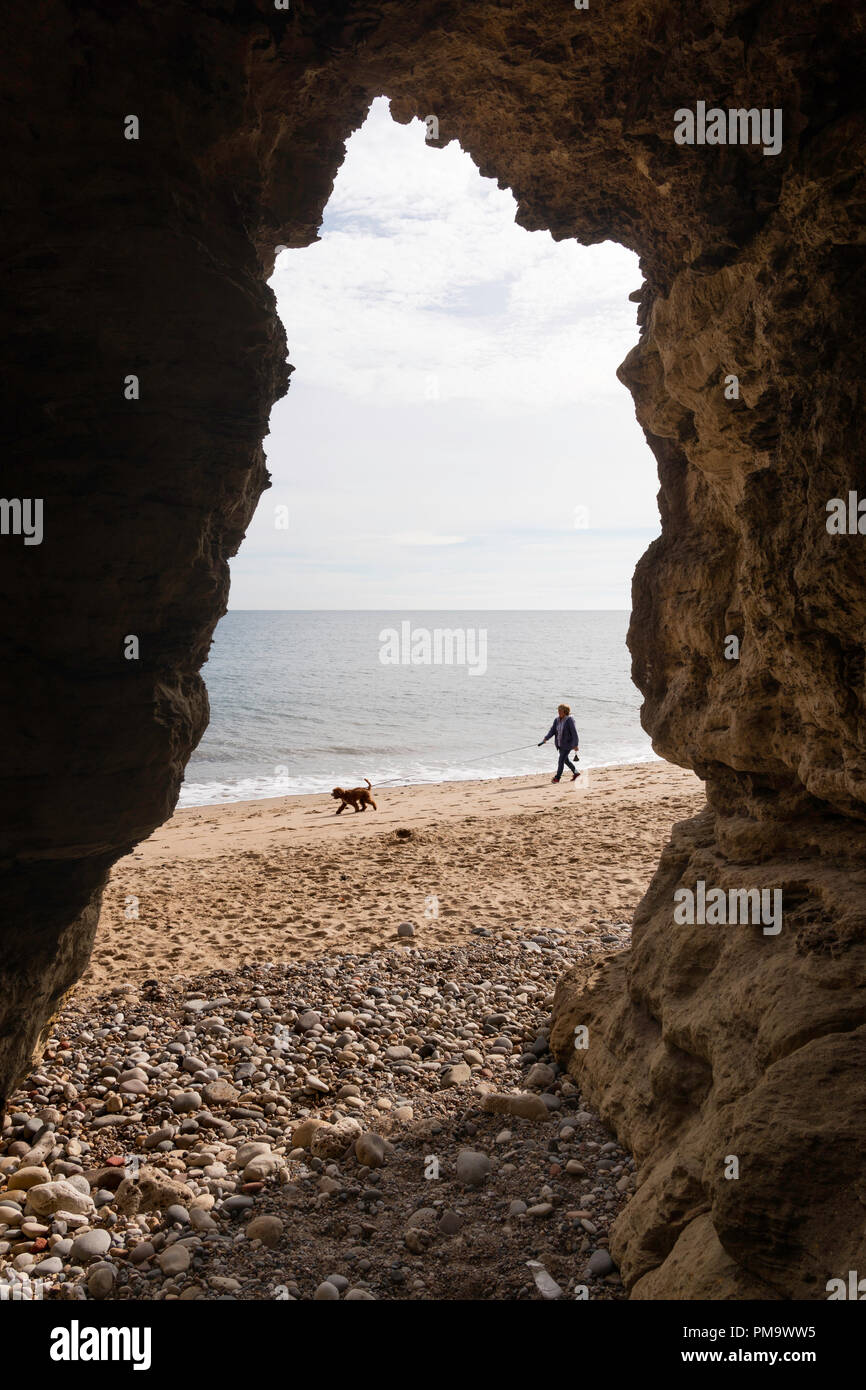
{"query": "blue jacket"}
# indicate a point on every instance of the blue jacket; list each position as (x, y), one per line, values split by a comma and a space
(564, 733)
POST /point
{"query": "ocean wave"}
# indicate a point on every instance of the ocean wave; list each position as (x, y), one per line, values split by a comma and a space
(301, 703)
(268, 788)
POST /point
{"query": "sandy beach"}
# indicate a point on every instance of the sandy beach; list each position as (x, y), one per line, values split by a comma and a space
(258, 1070)
(287, 879)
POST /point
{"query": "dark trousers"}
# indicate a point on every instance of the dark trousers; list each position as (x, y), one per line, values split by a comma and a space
(563, 761)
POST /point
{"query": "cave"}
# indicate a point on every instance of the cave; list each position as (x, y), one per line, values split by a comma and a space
(156, 159)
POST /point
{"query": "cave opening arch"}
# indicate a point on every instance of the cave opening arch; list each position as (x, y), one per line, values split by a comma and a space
(388, 495)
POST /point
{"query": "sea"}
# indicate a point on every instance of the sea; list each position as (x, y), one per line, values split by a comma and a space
(305, 701)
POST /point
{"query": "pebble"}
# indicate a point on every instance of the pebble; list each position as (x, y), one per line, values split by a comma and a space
(540, 1076)
(326, 1292)
(165, 1133)
(600, 1264)
(331, 1141)
(245, 1153)
(237, 1103)
(26, 1178)
(544, 1282)
(258, 1169)
(371, 1150)
(101, 1280)
(473, 1168)
(90, 1245)
(302, 1134)
(34, 1229)
(186, 1102)
(62, 1195)
(219, 1092)
(175, 1260)
(450, 1222)
(425, 1216)
(202, 1220)
(267, 1229)
(524, 1106)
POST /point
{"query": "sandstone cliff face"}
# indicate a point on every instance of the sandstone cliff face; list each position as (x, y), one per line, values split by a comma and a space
(717, 1041)
(149, 257)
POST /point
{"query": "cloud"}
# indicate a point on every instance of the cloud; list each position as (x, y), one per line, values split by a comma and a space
(421, 256)
(454, 402)
(425, 538)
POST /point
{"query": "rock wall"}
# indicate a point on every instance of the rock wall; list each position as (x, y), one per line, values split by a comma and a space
(713, 1042)
(148, 257)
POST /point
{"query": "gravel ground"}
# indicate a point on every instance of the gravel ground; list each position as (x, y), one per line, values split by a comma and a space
(327, 1130)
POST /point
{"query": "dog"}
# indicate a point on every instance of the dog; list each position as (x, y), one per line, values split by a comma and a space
(358, 798)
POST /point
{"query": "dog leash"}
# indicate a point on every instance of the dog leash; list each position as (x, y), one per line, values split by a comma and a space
(476, 757)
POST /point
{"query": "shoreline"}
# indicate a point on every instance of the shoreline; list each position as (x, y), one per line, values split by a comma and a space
(285, 878)
(391, 784)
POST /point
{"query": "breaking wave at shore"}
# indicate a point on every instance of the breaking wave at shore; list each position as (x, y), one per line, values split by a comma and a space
(301, 702)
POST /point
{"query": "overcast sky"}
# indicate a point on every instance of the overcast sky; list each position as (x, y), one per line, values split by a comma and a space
(454, 435)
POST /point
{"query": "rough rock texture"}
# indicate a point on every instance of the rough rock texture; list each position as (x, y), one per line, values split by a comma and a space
(151, 1190)
(150, 257)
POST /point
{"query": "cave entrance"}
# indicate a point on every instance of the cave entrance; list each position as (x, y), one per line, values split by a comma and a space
(460, 494)
(454, 466)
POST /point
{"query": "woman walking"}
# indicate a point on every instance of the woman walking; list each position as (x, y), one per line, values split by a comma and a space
(563, 731)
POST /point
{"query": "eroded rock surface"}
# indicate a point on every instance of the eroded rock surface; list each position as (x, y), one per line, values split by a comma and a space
(708, 1043)
(149, 257)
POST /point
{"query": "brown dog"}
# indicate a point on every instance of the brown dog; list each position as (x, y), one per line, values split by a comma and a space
(358, 798)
